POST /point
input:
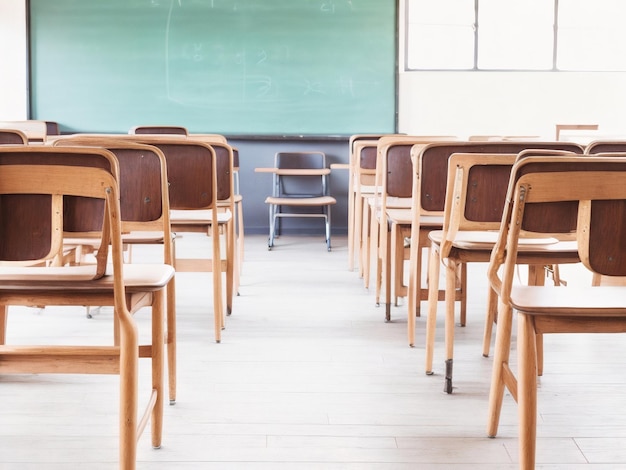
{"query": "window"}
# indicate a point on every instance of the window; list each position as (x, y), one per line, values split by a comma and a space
(441, 34)
(591, 35)
(515, 35)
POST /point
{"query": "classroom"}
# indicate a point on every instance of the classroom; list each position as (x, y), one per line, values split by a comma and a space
(308, 365)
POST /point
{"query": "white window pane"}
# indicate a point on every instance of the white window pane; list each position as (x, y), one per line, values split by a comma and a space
(591, 35)
(515, 34)
(440, 34)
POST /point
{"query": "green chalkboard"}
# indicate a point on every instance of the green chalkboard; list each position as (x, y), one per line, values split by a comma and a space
(253, 67)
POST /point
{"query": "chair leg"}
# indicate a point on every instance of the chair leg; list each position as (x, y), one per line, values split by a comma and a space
(158, 333)
(490, 319)
(462, 282)
(218, 309)
(433, 297)
(272, 211)
(128, 400)
(327, 223)
(362, 226)
(351, 220)
(240, 244)
(3, 323)
(500, 366)
(397, 260)
(451, 283)
(370, 242)
(171, 339)
(230, 265)
(527, 391)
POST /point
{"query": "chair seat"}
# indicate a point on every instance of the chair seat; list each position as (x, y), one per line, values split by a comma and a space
(136, 276)
(486, 239)
(405, 217)
(301, 202)
(200, 217)
(570, 301)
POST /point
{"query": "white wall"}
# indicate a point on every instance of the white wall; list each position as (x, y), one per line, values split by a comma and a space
(451, 103)
(510, 103)
(13, 56)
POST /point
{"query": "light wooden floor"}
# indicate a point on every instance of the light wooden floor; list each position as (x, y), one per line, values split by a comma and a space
(308, 376)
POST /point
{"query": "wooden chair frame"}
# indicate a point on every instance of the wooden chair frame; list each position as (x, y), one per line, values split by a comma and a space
(139, 227)
(392, 203)
(194, 179)
(535, 182)
(430, 170)
(51, 174)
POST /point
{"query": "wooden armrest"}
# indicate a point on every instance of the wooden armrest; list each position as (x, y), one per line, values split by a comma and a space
(339, 166)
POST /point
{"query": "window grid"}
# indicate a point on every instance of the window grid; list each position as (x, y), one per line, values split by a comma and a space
(562, 35)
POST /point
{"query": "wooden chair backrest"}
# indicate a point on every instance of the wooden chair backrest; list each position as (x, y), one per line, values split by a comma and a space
(604, 146)
(595, 185)
(475, 191)
(36, 185)
(432, 164)
(394, 165)
(191, 171)
(176, 130)
(52, 128)
(35, 130)
(13, 137)
(143, 182)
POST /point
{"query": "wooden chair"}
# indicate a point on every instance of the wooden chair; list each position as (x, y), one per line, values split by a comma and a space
(430, 173)
(592, 148)
(52, 128)
(197, 181)
(144, 208)
(34, 130)
(35, 184)
(356, 145)
(221, 146)
(475, 196)
(394, 153)
(189, 214)
(605, 146)
(595, 187)
(363, 176)
(13, 137)
(299, 189)
(390, 213)
(175, 130)
(574, 127)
